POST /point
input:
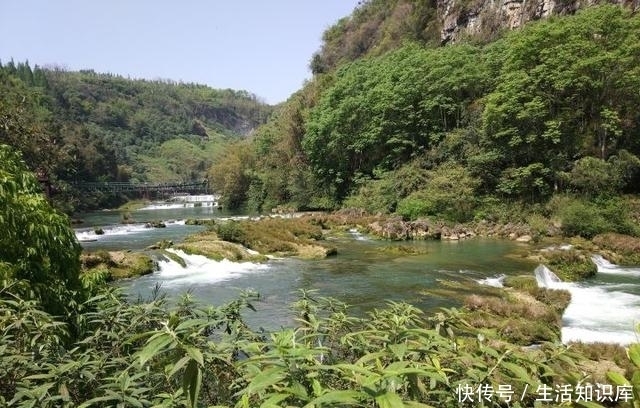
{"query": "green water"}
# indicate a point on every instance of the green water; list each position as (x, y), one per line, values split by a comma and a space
(364, 275)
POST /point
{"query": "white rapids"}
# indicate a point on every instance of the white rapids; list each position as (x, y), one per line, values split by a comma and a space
(201, 270)
(600, 313)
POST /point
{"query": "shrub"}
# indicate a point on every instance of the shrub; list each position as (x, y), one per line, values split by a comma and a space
(571, 265)
(582, 219)
(449, 193)
(590, 218)
(230, 231)
(626, 248)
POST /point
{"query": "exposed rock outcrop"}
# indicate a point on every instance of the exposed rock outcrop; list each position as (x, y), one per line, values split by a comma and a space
(460, 18)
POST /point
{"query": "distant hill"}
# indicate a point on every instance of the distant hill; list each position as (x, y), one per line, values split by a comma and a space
(106, 127)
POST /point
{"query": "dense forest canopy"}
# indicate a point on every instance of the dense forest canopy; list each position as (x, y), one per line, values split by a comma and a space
(85, 126)
(550, 108)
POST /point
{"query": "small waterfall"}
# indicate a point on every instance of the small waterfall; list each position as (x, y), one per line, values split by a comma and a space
(607, 267)
(201, 270)
(88, 235)
(603, 265)
(596, 313)
(495, 281)
(546, 278)
(357, 235)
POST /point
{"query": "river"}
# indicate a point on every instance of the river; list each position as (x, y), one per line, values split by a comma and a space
(362, 275)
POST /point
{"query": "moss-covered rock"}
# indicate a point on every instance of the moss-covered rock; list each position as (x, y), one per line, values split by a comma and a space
(570, 265)
(404, 250)
(117, 264)
(218, 250)
(193, 221)
(521, 282)
(524, 317)
(619, 248)
(300, 237)
(175, 257)
(163, 244)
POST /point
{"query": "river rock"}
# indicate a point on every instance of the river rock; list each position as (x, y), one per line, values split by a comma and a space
(524, 238)
(393, 228)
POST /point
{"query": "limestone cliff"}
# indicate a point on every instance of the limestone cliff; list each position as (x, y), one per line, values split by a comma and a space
(378, 26)
(462, 18)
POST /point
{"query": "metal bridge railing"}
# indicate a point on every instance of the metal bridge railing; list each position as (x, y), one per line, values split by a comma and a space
(123, 186)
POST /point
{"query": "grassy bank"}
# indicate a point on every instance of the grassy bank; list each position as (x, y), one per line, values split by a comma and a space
(300, 237)
(105, 266)
(134, 205)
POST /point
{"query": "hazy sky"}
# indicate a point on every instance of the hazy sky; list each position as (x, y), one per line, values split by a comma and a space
(263, 46)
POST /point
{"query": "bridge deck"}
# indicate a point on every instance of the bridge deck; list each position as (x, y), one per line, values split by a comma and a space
(121, 187)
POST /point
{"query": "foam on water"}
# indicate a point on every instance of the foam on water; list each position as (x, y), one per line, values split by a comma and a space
(495, 281)
(90, 235)
(202, 270)
(171, 206)
(595, 313)
(605, 266)
(357, 235)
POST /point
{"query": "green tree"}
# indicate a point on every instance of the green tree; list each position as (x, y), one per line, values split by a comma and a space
(230, 176)
(37, 247)
(449, 193)
(565, 89)
(382, 112)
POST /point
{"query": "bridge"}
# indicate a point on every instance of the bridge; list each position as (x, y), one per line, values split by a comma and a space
(186, 187)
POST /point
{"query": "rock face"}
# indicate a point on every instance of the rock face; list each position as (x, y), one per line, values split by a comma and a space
(461, 18)
(396, 229)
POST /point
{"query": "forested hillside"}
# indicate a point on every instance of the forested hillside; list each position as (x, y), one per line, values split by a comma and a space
(85, 126)
(544, 117)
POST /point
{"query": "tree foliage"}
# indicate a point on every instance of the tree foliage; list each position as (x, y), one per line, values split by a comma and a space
(38, 249)
(84, 126)
(547, 109)
(381, 112)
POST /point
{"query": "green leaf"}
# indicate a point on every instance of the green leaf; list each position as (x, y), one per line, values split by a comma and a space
(195, 354)
(154, 346)
(389, 400)
(399, 350)
(265, 379)
(177, 366)
(187, 324)
(191, 382)
(634, 354)
(337, 397)
(617, 378)
(520, 372)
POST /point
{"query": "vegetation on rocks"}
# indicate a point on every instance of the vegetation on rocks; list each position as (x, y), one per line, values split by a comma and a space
(209, 244)
(532, 135)
(522, 130)
(278, 236)
(621, 249)
(111, 265)
(103, 350)
(570, 265)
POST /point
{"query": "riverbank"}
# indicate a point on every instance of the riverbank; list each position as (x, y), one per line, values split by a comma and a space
(519, 315)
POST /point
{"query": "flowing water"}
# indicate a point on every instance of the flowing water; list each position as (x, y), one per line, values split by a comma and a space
(603, 309)
(364, 274)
